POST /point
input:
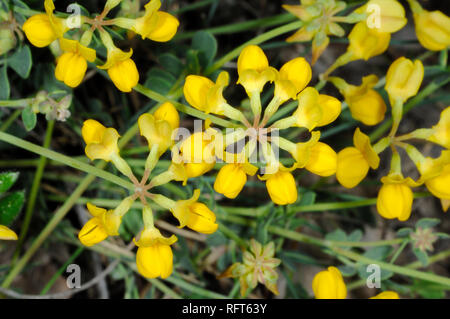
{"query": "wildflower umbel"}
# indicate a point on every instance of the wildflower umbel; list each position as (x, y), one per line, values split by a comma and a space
(154, 257)
(44, 28)
(314, 110)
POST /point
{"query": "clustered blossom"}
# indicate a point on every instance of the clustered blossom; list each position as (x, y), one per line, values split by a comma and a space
(44, 28)
(154, 257)
(314, 110)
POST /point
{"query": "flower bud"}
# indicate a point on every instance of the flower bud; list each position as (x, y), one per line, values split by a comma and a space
(322, 160)
(395, 197)
(403, 79)
(432, 29)
(329, 284)
(230, 180)
(281, 187)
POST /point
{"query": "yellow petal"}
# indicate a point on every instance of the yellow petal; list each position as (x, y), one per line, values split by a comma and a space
(39, 30)
(362, 143)
(165, 28)
(404, 78)
(298, 71)
(124, 75)
(201, 219)
(351, 167)
(196, 90)
(329, 284)
(366, 43)
(252, 57)
(386, 295)
(230, 180)
(395, 201)
(281, 187)
(168, 112)
(155, 261)
(92, 131)
(92, 232)
(433, 30)
(331, 108)
(322, 160)
(71, 69)
(7, 234)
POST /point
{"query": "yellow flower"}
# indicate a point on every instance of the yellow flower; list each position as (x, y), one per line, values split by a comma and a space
(322, 160)
(154, 257)
(436, 175)
(72, 64)
(232, 177)
(168, 112)
(44, 28)
(195, 215)
(293, 77)
(395, 197)
(432, 27)
(156, 132)
(254, 70)
(315, 109)
(365, 104)
(281, 187)
(7, 234)
(301, 152)
(388, 16)
(386, 295)
(104, 223)
(441, 131)
(353, 162)
(121, 69)
(204, 94)
(329, 284)
(366, 43)
(101, 142)
(156, 25)
(403, 79)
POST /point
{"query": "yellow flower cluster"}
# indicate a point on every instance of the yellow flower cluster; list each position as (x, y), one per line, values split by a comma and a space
(314, 110)
(45, 28)
(154, 256)
(329, 284)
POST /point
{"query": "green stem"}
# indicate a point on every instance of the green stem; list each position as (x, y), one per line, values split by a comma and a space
(33, 192)
(242, 26)
(61, 270)
(399, 251)
(10, 120)
(178, 282)
(15, 103)
(69, 161)
(256, 40)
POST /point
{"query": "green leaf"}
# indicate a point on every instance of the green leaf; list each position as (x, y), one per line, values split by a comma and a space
(160, 80)
(29, 118)
(421, 256)
(378, 253)
(428, 289)
(206, 44)
(193, 64)
(355, 236)
(7, 179)
(347, 271)
(427, 222)
(10, 207)
(21, 61)
(307, 198)
(171, 64)
(4, 84)
(337, 235)
(404, 232)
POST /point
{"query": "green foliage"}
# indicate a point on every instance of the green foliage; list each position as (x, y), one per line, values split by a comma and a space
(10, 203)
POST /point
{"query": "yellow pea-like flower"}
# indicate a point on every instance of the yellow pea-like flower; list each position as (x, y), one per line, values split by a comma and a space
(156, 132)
(432, 27)
(168, 112)
(386, 295)
(366, 105)
(353, 162)
(7, 234)
(121, 69)
(436, 174)
(72, 64)
(154, 257)
(315, 109)
(403, 79)
(204, 94)
(101, 142)
(322, 160)
(39, 30)
(232, 177)
(44, 28)
(254, 70)
(366, 43)
(329, 284)
(395, 197)
(293, 77)
(384, 15)
(281, 188)
(441, 131)
(94, 230)
(156, 25)
(195, 215)
(198, 148)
